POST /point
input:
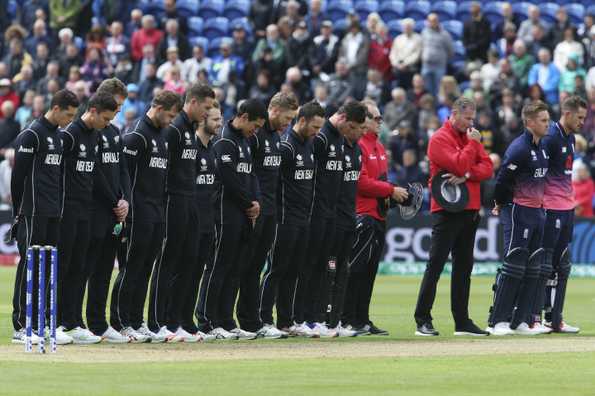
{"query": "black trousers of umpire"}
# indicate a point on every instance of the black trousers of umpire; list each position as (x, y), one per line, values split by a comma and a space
(451, 233)
(341, 254)
(260, 245)
(100, 263)
(175, 263)
(280, 281)
(309, 299)
(365, 256)
(32, 230)
(75, 235)
(221, 281)
(145, 241)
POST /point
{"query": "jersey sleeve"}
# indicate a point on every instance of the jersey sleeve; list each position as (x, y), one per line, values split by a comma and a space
(505, 180)
(27, 147)
(226, 160)
(134, 146)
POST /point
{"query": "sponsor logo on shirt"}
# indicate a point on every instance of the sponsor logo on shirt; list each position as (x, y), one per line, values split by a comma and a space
(225, 158)
(29, 150)
(126, 150)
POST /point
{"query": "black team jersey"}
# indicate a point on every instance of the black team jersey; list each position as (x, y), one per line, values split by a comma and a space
(205, 185)
(79, 143)
(182, 149)
(294, 196)
(265, 155)
(36, 182)
(328, 153)
(352, 165)
(237, 186)
(145, 149)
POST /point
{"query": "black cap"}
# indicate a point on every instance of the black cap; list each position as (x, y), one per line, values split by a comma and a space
(450, 197)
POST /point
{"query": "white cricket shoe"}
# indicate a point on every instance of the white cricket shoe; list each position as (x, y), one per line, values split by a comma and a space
(501, 329)
(303, 330)
(271, 332)
(221, 334)
(134, 336)
(202, 337)
(538, 326)
(19, 336)
(344, 332)
(153, 337)
(564, 328)
(61, 337)
(184, 336)
(323, 330)
(113, 337)
(82, 336)
(169, 335)
(243, 334)
(524, 329)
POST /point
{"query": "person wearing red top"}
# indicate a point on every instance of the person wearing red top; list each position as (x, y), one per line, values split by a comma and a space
(148, 34)
(7, 94)
(455, 147)
(372, 191)
(584, 190)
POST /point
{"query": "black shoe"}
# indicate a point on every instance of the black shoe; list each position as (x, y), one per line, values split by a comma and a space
(470, 329)
(364, 330)
(373, 330)
(426, 330)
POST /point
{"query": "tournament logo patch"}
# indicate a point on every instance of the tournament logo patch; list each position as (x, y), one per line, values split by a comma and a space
(203, 164)
(267, 148)
(155, 150)
(50, 143)
(83, 151)
(300, 161)
(188, 141)
(105, 142)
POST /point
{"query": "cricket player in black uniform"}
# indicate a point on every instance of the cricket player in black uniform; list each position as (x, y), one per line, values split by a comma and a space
(145, 149)
(264, 146)
(111, 197)
(36, 191)
(294, 197)
(181, 218)
(236, 209)
(205, 192)
(328, 154)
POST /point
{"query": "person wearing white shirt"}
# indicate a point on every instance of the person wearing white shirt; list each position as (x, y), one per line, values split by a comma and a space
(405, 53)
(195, 64)
(172, 60)
(566, 48)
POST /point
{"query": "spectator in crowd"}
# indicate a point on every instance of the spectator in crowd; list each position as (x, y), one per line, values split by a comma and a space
(339, 86)
(23, 113)
(380, 43)
(38, 109)
(70, 58)
(149, 57)
(7, 94)
(274, 47)
(40, 61)
(299, 44)
(565, 49)
(52, 73)
(354, 49)
(426, 112)
(242, 45)
(590, 80)
(418, 89)
(96, 68)
(295, 81)
(81, 90)
(135, 22)
(6, 166)
(584, 28)
(24, 80)
(506, 80)
(149, 83)
(521, 62)
(490, 71)
(540, 40)
(507, 18)
(173, 38)
(324, 51)
(475, 84)
(133, 102)
(321, 96)
(492, 139)
(557, 33)
(546, 75)
(448, 87)
(171, 13)
(375, 87)
(65, 14)
(401, 139)
(96, 38)
(173, 81)
(584, 189)
(124, 70)
(409, 171)
(477, 35)
(570, 73)
(437, 51)
(40, 35)
(505, 44)
(117, 44)
(261, 15)
(16, 57)
(405, 54)
(9, 127)
(525, 32)
(147, 34)
(74, 76)
(226, 66)
(66, 38)
(173, 60)
(199, 61)
(262, 90)
(506, 115)
(399, 109)
(315, 17)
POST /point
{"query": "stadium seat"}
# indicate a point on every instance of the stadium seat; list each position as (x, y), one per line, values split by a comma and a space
(391, 10)
(493, 12)
(244, 23)
(455, 28)
(195, 26)
(417, 9)
(153, 7)
(201, 41)
(464, 10)
(339, 9)
(12, 9)
(215, 27)
(576, 12)
(215, 44)
(365, 8)
(236, 9)
(340, 27)
(211, 9)
(445, 9)
(187, 8)
(419, 25)
(394, 28)
(521, 10)
(548, 12)
(459, 51)
(591, 10)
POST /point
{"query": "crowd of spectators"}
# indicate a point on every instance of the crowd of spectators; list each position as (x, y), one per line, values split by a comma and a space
(413, 67)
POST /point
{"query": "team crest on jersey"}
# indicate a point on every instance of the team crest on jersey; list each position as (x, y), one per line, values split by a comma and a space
(278, 145)
(332, 151)
(188, 141)
(267, 148)
(347, 161)
(117, 139)
(203, 164)
(241, 152)
(564, 150)
(105, 142)
(155, 149)
(83, 151)
(533, 155)
(50, 143)
(300, 161)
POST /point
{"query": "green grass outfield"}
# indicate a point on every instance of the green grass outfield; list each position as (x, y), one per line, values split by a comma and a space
(399, 364)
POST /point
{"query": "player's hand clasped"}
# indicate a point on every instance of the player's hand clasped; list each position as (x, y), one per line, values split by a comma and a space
(253, 211)
(121, 211)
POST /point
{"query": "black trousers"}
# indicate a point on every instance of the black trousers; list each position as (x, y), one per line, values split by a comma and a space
(260, 245)
(32, 230)
(100, 262)
(177, 259)
(205, 251)
(280, 282)
(365, 256)
(144, 243)
(221, 278)
(72, 261)
(451, 233)
(338, 277)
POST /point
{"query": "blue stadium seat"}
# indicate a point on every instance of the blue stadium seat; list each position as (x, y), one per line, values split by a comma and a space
(445, 9)
(464, 10)
(215, 45)
(417, 9)
(576, 12)
(548, 12)
(339, 9)
(12, 9)
(215, 27)
(195, 26)
(394, 28)
(419, 25)
(244, 23)
(201, 41)
(459, 51)
(187, 8)
(211, 9)
(459, 66)
(521, 10)
(236, 9)
(493, 12)
(455, 28)
(390, 10)
(591, 10)
(365, 8)
(153, 7)
(340, 27)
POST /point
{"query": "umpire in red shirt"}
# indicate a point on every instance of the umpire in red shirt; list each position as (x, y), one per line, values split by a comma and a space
(456, 149)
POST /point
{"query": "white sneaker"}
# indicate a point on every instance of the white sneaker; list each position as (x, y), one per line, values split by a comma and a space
(154, 338)
(243, 334)
(61, 337)
(113, 337)
(524, 329)
(323, 330)
(81, 336)
(184, 336)
(344, 332)
(564, 328)
(541, 328)
(303, 330)
(134, 336)
(202, 337)
(168, 335)
(271, 332)
(501, 329)
(221, 334)
(18, 337)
